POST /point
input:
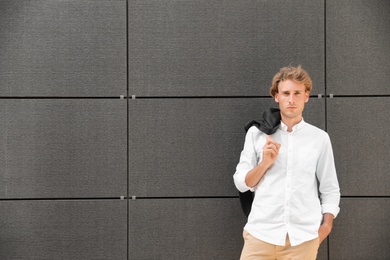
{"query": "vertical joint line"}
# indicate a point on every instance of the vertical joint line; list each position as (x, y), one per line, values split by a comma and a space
(325, 73)
(127, 133)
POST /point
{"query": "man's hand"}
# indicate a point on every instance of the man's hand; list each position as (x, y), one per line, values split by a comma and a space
(270, 151)
(325, 227)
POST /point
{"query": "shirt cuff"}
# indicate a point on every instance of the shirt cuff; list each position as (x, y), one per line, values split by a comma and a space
(330, 208)
(239, 181)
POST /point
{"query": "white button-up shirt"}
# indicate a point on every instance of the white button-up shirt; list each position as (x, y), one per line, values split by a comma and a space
(296, 190)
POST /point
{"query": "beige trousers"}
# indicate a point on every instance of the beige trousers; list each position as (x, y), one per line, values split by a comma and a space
(255, 249)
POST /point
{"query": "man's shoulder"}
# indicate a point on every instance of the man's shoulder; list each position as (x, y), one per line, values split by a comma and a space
(315, 130)
(254, 130)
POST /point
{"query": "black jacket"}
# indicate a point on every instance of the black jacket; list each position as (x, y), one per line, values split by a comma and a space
(268, 124)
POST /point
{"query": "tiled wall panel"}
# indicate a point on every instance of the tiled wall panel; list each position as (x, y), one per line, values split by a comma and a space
(45, 229)
(63, 48)
(221, 48)
(190, 147)
(196, 71)
(63, 148)
(361, 232)
(361, 140)
(358, 53)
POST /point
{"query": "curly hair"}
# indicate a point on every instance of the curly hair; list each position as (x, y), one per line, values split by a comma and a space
(297, 74)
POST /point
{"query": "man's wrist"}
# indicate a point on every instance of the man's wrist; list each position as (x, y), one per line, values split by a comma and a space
(328, 220)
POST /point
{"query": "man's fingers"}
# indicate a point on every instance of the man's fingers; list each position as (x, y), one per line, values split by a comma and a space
(274, 148)
(272, 143)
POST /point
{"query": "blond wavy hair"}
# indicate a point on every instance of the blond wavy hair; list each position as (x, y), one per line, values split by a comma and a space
(297, 74)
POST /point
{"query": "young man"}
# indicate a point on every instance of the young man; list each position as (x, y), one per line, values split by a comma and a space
(293, 175)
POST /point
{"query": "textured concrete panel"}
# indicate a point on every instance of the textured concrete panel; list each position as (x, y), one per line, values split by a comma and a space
(358, 54)
(186, 229)
(221, 48)
(361, 230)
(63, 48)
(63, 148)
(361, 140)
(63, 229)
(190, 147)
(314, 112)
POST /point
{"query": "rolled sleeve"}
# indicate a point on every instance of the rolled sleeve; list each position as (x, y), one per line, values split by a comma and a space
(330, 208)
(239, 181)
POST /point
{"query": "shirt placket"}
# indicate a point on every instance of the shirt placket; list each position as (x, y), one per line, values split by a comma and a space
(287, 195)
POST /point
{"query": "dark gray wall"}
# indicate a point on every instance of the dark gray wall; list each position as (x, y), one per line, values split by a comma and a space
(122, 121)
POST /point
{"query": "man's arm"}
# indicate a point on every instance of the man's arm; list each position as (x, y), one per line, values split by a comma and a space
(326, 226)
(329, 189)
(270, 153)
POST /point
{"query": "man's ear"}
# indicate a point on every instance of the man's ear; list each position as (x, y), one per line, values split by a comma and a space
(277, 98)
(307, 96)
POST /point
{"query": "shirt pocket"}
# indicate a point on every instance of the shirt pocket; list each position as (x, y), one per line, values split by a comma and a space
(307, 160)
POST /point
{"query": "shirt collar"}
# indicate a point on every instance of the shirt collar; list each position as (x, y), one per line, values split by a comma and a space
(284, 128)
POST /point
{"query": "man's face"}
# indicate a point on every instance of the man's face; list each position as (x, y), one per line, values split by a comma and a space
(291, 97)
